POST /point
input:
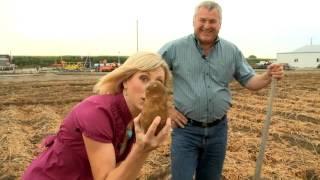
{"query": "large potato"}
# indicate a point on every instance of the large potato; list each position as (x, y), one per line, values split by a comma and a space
(155, 105)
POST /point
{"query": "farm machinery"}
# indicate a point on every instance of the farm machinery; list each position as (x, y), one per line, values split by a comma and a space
(102, 66)
(68, 66)
(78, 66)
(106, 67)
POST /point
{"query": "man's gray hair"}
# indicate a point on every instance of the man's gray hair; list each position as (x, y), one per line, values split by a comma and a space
(210, 5)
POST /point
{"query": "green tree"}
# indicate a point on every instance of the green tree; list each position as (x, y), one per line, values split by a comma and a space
(252, 57)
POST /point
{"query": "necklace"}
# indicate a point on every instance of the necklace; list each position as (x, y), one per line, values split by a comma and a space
(128, 136)
(129, 133)
(129, 130)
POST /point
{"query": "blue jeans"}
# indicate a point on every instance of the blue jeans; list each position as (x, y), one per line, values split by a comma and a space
(199, 151)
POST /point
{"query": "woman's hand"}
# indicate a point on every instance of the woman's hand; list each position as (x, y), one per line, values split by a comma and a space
(149, 141)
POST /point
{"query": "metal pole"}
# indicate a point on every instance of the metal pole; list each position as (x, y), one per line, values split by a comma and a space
(119, 58)
(137, 24)
(265, 131)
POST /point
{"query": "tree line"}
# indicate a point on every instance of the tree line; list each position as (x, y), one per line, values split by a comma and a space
(47, 61)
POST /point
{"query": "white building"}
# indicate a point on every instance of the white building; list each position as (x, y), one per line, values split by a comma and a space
(306, 56)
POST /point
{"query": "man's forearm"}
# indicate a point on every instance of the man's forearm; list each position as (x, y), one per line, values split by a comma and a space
(258, 81)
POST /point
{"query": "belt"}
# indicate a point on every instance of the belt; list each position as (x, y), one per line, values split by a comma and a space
(205, 124)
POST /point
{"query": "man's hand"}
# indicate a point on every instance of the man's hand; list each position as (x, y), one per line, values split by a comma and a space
(276, 71)
(178, 119)
(260, 81)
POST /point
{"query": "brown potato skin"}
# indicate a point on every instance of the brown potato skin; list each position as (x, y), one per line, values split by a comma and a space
(155, 105)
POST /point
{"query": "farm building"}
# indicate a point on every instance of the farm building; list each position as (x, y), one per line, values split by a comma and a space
(5, 62)
(304, 57)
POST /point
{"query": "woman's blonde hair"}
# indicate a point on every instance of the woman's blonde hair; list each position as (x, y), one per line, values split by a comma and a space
(139, 62)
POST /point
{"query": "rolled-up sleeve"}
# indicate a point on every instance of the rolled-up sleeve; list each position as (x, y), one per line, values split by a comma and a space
(94, 122)
(244, 71)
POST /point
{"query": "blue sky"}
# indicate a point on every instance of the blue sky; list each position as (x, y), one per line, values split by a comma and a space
(108, 27)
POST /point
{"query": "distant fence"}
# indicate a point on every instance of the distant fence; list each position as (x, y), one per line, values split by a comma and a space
(8, 68)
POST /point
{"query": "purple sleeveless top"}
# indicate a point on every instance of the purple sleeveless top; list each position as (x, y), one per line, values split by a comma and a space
(103, 118)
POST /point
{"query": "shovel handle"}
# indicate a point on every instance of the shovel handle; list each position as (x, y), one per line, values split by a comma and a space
(265, 131)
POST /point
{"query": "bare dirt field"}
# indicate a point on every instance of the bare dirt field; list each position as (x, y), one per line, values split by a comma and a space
(33, 106)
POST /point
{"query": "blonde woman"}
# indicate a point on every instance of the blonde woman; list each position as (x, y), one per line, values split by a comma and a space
(101, 137)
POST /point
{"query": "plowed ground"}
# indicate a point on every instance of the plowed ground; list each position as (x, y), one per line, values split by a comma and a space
(33, 106)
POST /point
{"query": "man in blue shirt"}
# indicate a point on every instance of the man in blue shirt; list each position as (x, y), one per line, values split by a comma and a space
(203, 65)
